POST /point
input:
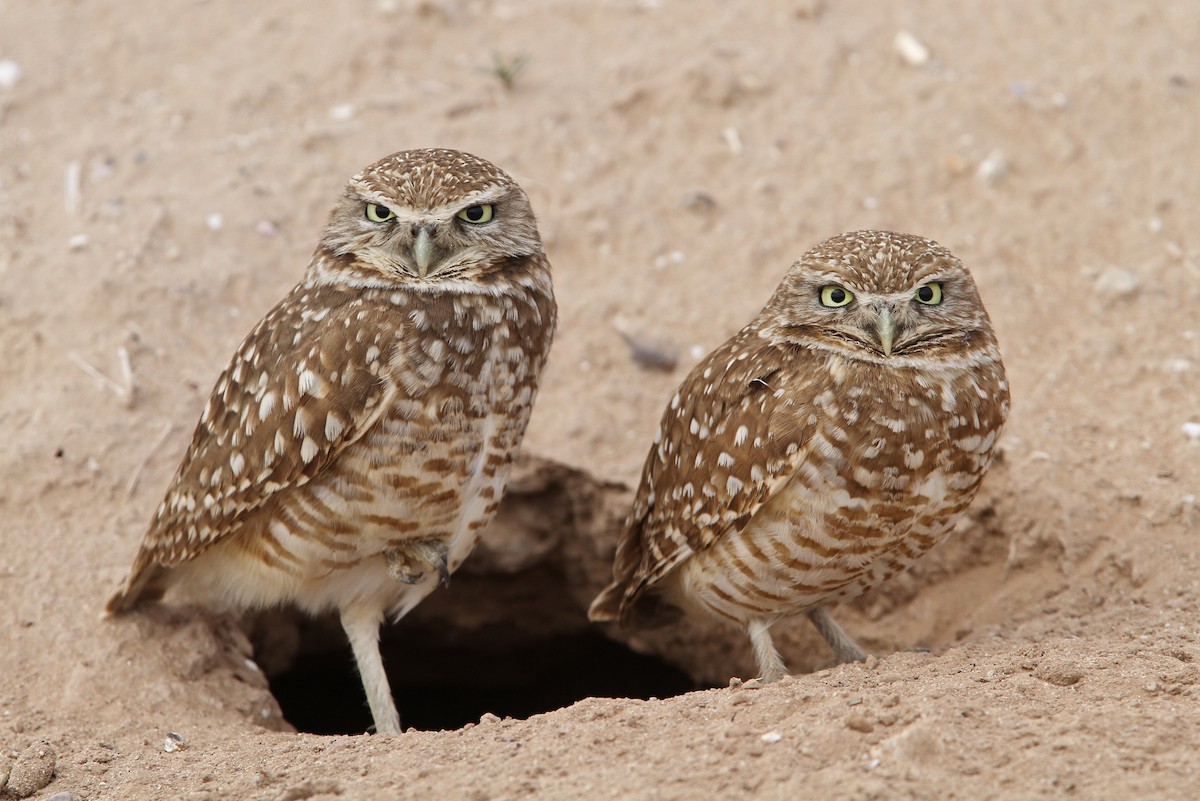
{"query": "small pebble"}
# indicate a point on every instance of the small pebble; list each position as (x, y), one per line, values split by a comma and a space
(267, 228)
(77, 242)
(911, 49)
(674, 257)
(1192, 432)
(32, 771)
(1117, 282)
(488, 719)
(859, 723)
(733, 140)
(10, 73)
(1178, 365)
(342, 112)
(699, 202)
(215, 221)
(772, 737)
(63, 797)
(993, 168)
(1062, 674)
(651, 353)
(174, 742)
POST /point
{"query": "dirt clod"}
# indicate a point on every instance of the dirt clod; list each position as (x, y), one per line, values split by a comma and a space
(1062, 674)
(32, 771)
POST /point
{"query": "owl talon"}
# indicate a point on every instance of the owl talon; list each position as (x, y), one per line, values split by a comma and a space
(400, 569)
(410, 563)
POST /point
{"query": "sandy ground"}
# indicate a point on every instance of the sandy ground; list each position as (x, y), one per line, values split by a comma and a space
(165, 170)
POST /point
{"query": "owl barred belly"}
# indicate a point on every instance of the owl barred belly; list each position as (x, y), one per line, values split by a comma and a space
(821, 449)
(870, 499)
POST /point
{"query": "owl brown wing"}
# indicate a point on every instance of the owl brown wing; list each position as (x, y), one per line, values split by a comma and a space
(307, 382)
(732, 436)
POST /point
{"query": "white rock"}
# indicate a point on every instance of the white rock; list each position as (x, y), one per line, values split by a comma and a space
(10, 73)
(1117, 281)
(342, 112)
(1179, 364)
(77, 242)
(215, 221)
(1192, 432)
(733, 140)
(993, 168)
(911, 49)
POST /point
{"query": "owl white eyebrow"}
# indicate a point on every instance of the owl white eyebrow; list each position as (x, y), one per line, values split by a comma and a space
(492, 194)
(409, 214)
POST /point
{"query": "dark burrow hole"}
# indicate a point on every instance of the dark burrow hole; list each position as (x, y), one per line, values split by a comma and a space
(442, 686)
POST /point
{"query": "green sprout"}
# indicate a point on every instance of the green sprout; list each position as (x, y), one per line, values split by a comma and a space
(507, 68)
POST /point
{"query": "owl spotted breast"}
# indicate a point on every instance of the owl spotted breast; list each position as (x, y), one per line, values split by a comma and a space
(362, 435)
(822, 449)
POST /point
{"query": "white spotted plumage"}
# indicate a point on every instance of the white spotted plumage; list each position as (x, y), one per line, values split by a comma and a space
(362, 435)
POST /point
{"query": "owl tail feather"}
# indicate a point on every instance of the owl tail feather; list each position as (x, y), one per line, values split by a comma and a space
(607, 606)
(643, 611)
(144, 585)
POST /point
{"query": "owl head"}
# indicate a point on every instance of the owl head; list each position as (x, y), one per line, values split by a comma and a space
(882, 297)
(426, 219)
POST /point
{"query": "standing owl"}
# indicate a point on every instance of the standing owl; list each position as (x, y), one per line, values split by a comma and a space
(821, 450)
(361, 437)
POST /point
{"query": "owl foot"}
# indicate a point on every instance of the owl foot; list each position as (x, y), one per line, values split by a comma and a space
(409, 564)
(843, 645)
(770, 665)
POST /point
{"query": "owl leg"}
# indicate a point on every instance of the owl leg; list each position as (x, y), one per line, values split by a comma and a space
(362, 629)
(410, 562)
(770, 664)
(843, 645)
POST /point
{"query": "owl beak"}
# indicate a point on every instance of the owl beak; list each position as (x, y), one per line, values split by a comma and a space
(422, 251)
(885, 329)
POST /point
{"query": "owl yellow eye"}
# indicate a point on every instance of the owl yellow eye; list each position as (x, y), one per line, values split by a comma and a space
(377, 213)
(835, 296)
(930, 294)
(477, 214)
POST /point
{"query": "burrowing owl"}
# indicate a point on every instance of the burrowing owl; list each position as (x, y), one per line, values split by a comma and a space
(820, 450)
(362, 435)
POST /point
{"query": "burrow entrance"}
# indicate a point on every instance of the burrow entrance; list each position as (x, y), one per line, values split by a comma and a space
(440, 686)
